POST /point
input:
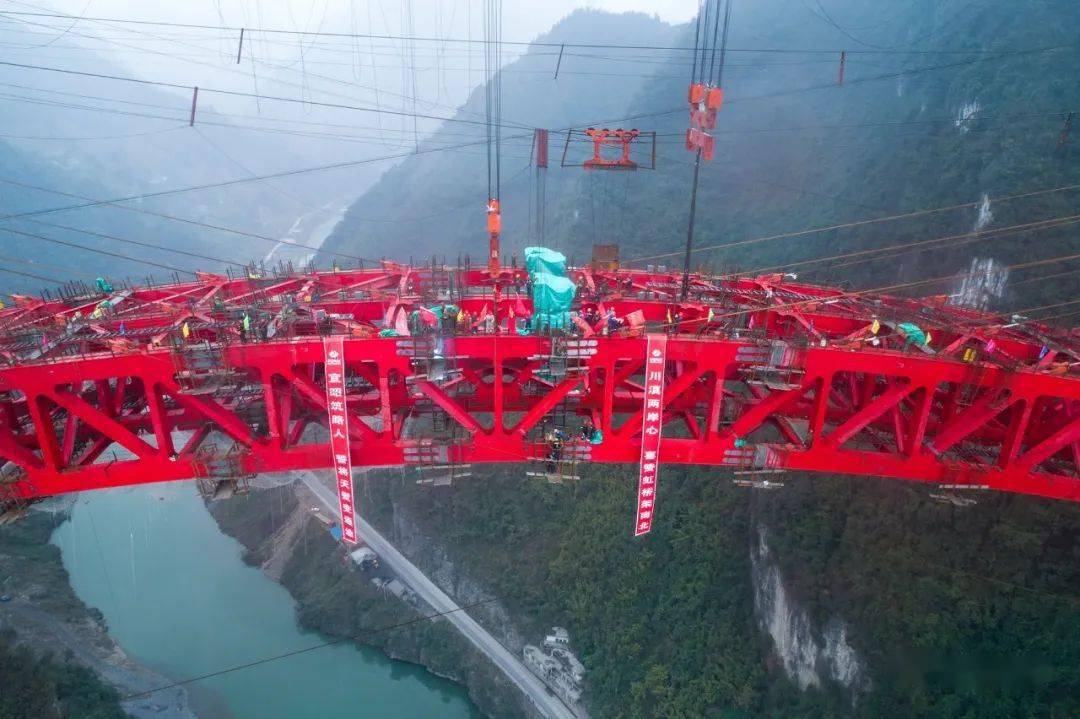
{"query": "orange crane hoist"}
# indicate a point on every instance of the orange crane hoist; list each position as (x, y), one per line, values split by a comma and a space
(603, 137)
(705, 101)
(494, 226)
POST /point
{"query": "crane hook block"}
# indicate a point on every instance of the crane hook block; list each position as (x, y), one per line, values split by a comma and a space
(494, 217)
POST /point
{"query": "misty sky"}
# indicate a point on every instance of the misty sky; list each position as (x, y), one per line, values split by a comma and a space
(522, 19)
(319, 68)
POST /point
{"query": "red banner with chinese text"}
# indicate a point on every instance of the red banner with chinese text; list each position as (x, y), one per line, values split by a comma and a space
(339, 434)
(652, 423)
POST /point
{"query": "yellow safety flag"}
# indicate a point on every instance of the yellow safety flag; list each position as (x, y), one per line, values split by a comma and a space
(875, 327)
(927, 339)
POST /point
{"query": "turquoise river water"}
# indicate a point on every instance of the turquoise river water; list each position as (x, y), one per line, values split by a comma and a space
(180, 600)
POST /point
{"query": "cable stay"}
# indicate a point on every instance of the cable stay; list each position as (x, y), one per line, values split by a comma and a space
(493, 127)
(705, 95)
(541, 162)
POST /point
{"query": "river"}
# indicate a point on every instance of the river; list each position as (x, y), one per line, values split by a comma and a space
(179, 599)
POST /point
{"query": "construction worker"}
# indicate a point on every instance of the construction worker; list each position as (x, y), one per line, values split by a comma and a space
(613, 323)
(185, 330)
(591, 433)
(587, 429)
(245, 327)
(99, 311)
(555, 439)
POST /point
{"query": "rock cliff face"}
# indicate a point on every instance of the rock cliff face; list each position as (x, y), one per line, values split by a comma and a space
(808, 658)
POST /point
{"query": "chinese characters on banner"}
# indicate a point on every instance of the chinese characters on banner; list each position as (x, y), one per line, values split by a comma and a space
(339, 434)
(652, 422)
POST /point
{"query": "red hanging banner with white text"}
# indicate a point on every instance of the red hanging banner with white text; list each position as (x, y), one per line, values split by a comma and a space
(652, 424)
(339, 434)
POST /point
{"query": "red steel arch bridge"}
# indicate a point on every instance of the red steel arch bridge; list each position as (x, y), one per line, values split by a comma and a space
(225, 377)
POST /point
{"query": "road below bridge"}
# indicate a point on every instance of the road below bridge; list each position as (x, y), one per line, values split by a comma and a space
(546, 703)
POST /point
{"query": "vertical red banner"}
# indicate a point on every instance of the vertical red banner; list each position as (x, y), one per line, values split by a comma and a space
(339, 434)
(652, 424)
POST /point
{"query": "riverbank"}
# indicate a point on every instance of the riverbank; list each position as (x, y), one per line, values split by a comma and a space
(49, 618)
(179, 597)
(334, 598)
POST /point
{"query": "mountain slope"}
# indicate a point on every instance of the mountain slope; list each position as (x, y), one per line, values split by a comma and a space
(910, 129)
(435, 202)
(68, 137)
(949, 612)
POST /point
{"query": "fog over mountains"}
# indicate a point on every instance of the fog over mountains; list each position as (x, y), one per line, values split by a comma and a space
(941, 105)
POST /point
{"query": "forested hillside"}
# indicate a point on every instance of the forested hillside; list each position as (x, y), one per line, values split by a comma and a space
(967, 612)
(943, 102)
(36, 683)
(954, 611)
(434, 203)
(36, 687)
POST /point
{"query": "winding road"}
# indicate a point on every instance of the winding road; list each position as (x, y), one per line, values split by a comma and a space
(547, 704)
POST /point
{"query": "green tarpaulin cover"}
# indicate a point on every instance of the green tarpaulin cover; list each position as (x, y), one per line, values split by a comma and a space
(541, 260)
(552, 291)
(912, 332)
(552, 294)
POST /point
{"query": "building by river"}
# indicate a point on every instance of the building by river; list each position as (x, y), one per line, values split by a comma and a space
(557, 665)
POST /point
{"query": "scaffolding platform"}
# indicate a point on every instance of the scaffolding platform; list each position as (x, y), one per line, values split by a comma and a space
(201, 368)
(221, 475)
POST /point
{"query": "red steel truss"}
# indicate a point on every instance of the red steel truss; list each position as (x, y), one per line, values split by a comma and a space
(763, 374)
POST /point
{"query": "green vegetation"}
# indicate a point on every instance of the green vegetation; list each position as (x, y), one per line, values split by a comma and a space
(41, 687)
(338, 601)
(27, 560)
(794, 150)
(958, 612)
(34, 685)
